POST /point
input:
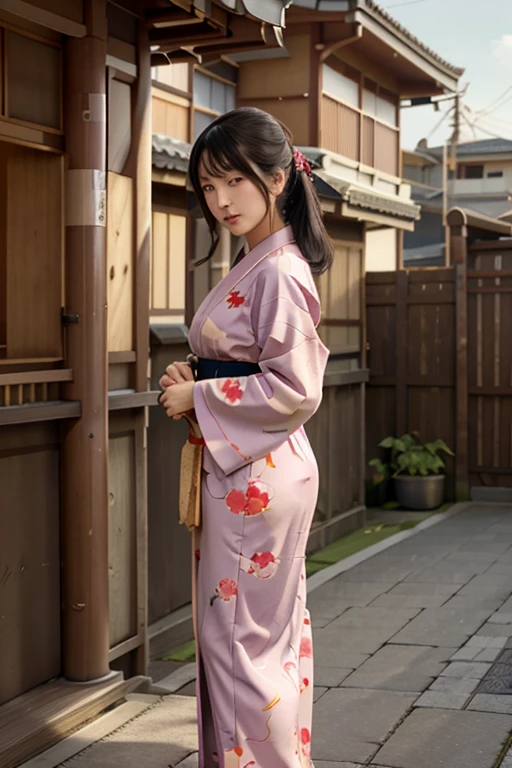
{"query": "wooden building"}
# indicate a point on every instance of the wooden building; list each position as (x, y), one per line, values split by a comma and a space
(75, 253)
(337, 81)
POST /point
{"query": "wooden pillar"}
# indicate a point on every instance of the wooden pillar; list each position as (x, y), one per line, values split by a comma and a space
(84, 508)
(458, 250)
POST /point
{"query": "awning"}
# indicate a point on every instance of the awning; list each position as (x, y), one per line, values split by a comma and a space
(359, 201)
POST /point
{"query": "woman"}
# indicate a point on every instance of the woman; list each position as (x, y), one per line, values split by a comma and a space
(260, 479)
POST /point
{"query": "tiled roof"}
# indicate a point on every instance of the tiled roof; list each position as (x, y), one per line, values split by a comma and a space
(481, 147)
(170, 154)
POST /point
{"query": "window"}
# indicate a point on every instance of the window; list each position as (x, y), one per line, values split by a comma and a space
(213, 96)
(494, 174)
(379, 103)
(341, 86)
(471, 172)
(33, 91)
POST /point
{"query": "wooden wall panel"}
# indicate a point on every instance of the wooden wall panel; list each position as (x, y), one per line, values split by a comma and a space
(170, 115)
(29, 558)
(284, 77)
(122, 539)
(387, 149)
(159, 260)
(294, 113)
(120, 251)
(34, 253)
(176, 259)
(119, 124)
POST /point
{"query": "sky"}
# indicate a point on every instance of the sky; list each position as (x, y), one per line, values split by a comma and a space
(473, 35)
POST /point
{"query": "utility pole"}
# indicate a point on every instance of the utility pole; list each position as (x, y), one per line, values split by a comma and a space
(452, 167)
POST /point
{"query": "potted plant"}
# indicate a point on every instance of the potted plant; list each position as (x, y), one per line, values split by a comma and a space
(417, 469)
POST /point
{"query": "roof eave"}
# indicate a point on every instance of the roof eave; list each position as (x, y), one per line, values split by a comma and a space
(392, 35)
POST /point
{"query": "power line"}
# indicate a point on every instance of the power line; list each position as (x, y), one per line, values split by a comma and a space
(486, 109)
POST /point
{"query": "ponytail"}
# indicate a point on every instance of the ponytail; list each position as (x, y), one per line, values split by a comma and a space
(301, 209)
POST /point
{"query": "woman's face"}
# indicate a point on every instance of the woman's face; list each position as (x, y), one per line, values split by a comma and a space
(235, 201)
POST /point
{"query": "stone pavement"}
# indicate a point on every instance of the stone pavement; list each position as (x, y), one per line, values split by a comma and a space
(413, 660)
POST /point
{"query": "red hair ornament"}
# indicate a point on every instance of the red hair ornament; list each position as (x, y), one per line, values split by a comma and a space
(302, 164)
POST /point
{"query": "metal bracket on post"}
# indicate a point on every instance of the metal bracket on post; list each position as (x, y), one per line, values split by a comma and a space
(69, 319)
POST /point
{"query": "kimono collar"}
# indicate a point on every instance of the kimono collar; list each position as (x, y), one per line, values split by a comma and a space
(246, 264)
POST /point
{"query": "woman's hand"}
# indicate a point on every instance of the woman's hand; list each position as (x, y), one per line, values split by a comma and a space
(178, 398)
(176, 373)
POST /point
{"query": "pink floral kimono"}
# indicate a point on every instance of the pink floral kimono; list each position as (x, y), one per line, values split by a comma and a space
(260, 485)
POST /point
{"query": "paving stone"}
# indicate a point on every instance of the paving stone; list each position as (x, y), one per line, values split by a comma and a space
(409, 601)
(442, 700)
(496, 547)
(499, 568)
(487, 605)
(445, 627)
(318, 692)
(480, 558)
(488, 702)
(375, 617)
(400, 668)
(485, 641)
(421, 588)
(434, 575)
(500, 618)
(330, 677)
(454, 685)
(320, 623)
(334, 642)
(474, 670)
(507, 606)
(467, 653)
(328, 654)
(330, 764)
(349, 724)
(348, 593)
(326, 607)
(488, 654)
(488, 592)
(495, 630)
(429, 738)
(492, 580)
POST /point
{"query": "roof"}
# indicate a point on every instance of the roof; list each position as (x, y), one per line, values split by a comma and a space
(170, 154)
(480, 147)
(378, 12)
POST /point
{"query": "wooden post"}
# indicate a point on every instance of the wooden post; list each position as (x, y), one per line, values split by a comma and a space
(458, 250)
(401, 352)
(142, 219)
(84, 508)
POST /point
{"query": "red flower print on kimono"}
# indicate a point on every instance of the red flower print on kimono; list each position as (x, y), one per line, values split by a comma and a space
(232, 389)
(253, 502)
(234, 300)
(305, 738)
(306, 648)
(226, 591)
(262, 564)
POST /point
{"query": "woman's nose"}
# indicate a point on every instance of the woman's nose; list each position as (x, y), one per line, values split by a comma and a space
(223, 198)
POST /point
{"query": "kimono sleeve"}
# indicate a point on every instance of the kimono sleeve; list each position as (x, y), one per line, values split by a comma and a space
(244, 419)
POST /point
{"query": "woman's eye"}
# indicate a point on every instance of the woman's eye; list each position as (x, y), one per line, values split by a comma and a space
(236, 180)
(207, 188)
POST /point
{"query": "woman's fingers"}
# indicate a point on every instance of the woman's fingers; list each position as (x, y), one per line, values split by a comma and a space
(165, 381)
(179, 372)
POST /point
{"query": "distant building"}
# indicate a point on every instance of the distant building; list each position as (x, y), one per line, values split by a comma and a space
(483, 184)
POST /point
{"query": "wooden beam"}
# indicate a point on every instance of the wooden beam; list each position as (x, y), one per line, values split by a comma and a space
(401, 352)
(35, 412)
(84, 508)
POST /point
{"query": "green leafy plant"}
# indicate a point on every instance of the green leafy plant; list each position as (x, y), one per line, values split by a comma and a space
(408, 455)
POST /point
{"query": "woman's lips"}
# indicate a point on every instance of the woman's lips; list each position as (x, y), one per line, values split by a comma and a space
(232, 219)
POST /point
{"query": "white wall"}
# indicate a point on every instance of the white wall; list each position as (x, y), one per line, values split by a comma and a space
(381, 250)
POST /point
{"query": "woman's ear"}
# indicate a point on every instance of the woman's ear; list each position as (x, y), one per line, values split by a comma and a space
(278, 183)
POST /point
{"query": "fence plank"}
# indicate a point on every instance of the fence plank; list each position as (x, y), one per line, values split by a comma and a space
(401, 351)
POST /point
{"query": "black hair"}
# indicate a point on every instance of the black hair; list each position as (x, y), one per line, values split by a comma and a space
(257, 145)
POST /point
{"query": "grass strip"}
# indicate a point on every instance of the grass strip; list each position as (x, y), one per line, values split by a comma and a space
(186, 652)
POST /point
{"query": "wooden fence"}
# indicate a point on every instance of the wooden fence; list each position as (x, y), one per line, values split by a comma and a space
(440, 356)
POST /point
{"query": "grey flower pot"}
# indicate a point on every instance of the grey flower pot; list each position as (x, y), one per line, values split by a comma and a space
(420, 492)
